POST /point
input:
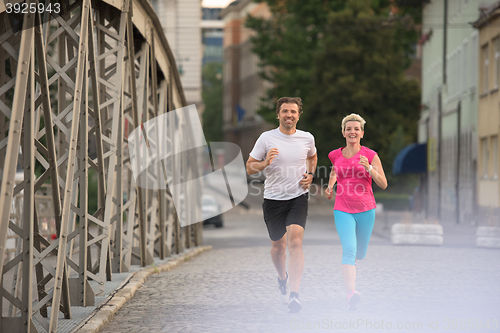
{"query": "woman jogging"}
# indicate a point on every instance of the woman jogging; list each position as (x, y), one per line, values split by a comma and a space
(354, 167)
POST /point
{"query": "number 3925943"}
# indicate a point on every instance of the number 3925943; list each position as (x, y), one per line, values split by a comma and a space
(24, 8)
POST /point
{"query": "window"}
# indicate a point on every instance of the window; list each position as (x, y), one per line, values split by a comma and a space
(494, 155)
(496, 45)
(464, 66)
(454, 73)
(474, 60)
(154, 3)
(486, 63)
(485, 157)
(449, 74)
(458, 72)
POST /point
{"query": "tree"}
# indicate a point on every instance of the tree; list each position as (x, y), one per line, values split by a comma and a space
(360, 69)
(212, 98)
(341, 57)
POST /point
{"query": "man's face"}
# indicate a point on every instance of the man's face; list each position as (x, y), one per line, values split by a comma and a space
(288, 115)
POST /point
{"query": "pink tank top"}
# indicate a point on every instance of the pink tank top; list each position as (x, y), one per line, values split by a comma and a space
(354, 183)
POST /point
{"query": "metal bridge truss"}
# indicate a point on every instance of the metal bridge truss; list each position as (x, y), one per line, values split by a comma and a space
(73, 85)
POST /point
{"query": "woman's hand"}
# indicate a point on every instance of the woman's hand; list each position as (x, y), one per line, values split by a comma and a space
(364, 162)
(331, 183)
(329, 192)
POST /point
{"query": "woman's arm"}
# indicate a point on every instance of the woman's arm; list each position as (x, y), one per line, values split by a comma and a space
(377, 173)
(331, 182)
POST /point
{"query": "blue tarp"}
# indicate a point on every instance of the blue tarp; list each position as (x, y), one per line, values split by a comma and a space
(411, 159)
(241, 112)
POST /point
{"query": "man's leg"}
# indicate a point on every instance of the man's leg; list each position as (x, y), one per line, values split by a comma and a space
(278, 254)
(295, 235)
(275, 223)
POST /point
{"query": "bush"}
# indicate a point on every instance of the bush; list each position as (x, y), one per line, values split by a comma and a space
(393, 201)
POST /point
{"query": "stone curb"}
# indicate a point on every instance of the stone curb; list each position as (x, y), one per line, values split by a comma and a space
(107, 310)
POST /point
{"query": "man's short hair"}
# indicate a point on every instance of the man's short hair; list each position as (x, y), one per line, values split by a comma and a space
(353, 117)
(289, 100)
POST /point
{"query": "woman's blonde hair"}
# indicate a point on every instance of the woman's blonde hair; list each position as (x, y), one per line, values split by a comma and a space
(353, 117)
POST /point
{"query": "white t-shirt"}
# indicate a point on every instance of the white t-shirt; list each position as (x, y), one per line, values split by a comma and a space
(289, 166)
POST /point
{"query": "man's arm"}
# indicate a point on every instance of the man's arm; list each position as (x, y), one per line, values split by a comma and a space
(311, 163)
(254, 166)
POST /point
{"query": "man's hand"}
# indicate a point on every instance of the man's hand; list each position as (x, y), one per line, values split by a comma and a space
(254, 166)
(271, 154)
(306, 181)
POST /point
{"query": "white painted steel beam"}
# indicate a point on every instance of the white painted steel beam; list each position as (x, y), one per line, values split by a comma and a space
(88, 88)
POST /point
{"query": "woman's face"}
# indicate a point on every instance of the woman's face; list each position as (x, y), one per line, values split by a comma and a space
(353, 132)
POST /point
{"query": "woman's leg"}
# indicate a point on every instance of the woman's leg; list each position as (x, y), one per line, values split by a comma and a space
(364, 227)
(349, 275)
(346, 228)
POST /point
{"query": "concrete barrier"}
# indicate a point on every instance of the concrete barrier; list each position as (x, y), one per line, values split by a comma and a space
(488, 237)
(417, 234)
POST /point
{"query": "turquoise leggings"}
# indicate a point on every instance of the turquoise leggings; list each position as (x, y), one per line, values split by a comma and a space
(354, 231)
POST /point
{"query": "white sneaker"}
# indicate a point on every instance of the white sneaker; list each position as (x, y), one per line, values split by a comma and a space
(284, 289)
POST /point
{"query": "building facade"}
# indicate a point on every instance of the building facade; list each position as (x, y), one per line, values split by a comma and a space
(181, 22)
(212, 36)
(488, 27)
(243, 88)
(449, 116)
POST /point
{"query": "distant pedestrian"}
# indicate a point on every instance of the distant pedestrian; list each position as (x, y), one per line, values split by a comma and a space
(354, 167)
(288, 157)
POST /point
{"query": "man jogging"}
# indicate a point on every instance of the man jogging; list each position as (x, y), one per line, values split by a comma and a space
(289, 158)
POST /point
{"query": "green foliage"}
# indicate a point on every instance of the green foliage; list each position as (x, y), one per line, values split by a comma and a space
(393, 201)
(212, 98)
(342, 57)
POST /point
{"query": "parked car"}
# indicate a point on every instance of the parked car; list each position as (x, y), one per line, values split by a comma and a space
(19, 176)
(211, 211)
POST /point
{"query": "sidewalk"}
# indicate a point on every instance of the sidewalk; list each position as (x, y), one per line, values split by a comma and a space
(233, 287)
(235, 290)
(118, 292)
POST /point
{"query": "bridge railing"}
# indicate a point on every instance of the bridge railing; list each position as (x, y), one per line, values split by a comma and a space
(73, 85)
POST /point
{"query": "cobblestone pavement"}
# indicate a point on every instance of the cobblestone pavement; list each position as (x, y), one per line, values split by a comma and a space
(233, 288)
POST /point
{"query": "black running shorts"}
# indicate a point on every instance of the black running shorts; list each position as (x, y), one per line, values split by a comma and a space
(279, 214)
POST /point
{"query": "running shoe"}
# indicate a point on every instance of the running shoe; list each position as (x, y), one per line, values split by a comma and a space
(294, 305)
(353, 300)
(283, 288)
